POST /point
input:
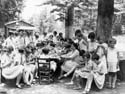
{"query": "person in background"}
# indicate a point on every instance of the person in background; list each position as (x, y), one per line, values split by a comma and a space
(92, 44)
(55, 37)
(101, 51)
(27, 37)
(29, 67)
(113, 62)
(21, 39)
(36, 38)
(61, 36)
(43, 37)
(9, 41)
(83, 45)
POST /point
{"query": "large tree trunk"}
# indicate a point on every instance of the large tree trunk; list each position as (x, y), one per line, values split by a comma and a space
(69, 21)
(104, 20)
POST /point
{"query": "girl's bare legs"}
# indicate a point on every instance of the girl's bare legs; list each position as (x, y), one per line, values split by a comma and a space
(18, 80)
(110, 81)
(73, 77)
(114, 78)
(88, 83)
(68, 73)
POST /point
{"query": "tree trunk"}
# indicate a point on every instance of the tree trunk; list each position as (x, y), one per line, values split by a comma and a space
(104, 20)
(69, 21)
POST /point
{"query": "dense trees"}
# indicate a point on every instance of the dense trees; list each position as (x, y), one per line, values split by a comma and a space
(8, 10)
(66, 12)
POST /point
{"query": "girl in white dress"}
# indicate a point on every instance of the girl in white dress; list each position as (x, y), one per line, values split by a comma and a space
(92, 43)
(113, 62)
(10, 70)
(71, 61)
(97, 74)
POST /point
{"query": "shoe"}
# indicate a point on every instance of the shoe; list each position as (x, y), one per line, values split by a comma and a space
(109, 87)
(85, 92)
(113, 87)
(77, 88)
(69, 83)
(18, 86)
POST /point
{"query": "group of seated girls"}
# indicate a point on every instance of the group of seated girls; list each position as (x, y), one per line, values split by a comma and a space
(86, 57)
(92, 60)
(17, 64)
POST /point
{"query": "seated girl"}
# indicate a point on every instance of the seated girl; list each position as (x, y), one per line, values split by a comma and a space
(82, 70)
(9, 69)
(70, 62)
(29, 68)
(97, 74)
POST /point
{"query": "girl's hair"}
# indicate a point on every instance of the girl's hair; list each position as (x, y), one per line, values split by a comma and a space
(95, 57)
(54, 33)
(45, 51)
(52, 44)
(10, 49)
(75, 45)
(87, 55)
(77, 32)
(91, 35)
(112, 40)
(82, 52)
(21, 50)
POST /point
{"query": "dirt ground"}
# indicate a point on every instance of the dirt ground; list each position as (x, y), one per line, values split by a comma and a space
(59, 88)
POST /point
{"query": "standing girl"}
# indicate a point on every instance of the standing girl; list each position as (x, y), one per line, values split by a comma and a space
(112, 59)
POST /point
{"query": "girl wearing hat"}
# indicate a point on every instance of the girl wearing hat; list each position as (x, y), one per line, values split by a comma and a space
(112, 59)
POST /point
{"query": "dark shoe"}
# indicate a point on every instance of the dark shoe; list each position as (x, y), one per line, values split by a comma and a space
(19, 86)
(109, 87)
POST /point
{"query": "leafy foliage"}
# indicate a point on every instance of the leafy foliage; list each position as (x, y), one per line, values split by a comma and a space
(8, 10)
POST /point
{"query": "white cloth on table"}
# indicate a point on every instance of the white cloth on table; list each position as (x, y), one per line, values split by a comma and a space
(53, 64)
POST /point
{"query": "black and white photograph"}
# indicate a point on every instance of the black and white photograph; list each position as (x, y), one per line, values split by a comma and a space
(62, 46)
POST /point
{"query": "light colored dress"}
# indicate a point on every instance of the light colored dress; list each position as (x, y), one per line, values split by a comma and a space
(82, 45)
(69, 64)
(8, 42)
(92, 46)
(112, 59)
(85, 71)
(103, 60)
(101, 48)
(9, 71)
(99, 78)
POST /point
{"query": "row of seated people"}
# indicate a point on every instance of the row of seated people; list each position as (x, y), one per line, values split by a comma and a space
(69, 56)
